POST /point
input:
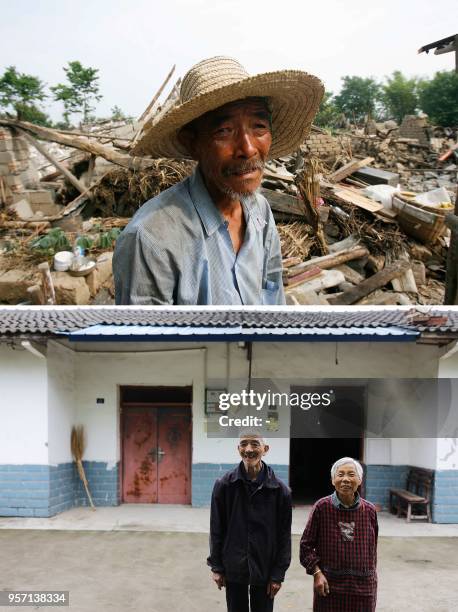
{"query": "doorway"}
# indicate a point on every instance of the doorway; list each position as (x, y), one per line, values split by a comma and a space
(156, 445)
(321, 436)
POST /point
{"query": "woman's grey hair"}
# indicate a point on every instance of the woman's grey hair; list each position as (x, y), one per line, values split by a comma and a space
(343, 461)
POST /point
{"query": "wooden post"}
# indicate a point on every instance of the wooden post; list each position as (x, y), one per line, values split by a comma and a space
(145, 113)
(48, 286)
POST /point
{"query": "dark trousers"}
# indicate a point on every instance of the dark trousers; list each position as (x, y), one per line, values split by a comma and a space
(237, 598)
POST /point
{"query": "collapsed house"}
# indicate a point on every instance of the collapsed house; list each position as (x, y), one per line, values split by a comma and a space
(361, 214)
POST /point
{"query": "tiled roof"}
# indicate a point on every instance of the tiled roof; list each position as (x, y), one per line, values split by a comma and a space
(50, 320)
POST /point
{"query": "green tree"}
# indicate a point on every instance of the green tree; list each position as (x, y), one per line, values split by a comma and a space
(328, 114)
(20, 92)
(399, 96)
(439, 98)
(117, 114)
(358, 97)
(81, 91)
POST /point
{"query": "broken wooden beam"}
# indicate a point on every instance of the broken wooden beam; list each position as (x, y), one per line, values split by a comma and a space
(82, 143)
(329, 261)
(349, 168)
(328, 278)
(380, 279)
(349, 195)
(298, 279)
(283, 202)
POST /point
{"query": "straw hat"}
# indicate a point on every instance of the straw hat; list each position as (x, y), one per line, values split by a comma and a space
(294, 97)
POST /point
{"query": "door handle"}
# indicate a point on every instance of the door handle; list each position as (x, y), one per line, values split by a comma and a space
(160, 454)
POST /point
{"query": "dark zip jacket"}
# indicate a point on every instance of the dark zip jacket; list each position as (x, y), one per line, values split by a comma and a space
(250, 528)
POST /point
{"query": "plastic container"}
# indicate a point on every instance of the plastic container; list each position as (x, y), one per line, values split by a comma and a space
(63, 261)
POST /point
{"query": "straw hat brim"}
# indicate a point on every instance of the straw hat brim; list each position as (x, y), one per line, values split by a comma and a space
(294, 97)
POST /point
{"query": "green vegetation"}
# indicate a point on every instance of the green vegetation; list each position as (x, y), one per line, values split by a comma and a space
(399, 96)
(56, 240)
(439, 98)
(81, 91)
(358, 98)
(20, 93)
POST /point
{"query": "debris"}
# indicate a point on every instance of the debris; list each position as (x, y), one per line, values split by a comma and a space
(329, 230)
(349, 168)
(327, 279)
(377, 176)
(380, 279)
(47, 283)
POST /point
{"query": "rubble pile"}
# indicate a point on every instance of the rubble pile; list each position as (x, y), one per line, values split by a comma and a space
(341, 242)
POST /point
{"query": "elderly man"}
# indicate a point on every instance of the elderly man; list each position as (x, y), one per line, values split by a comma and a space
(250, 530)
(339, 545)
(211, 239)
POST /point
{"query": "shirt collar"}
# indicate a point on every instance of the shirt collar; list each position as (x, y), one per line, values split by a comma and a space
(210, 216)
(338, 504)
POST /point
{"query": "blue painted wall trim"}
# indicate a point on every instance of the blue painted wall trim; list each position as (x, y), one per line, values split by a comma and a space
(204, 476)
(46, 490)
(445, 500)
(380, 478)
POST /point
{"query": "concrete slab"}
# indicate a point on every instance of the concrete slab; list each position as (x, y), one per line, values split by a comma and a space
(176, 518)
(165, 572)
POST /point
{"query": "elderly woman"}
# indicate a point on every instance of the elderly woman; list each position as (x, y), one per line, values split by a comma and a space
(339, 545)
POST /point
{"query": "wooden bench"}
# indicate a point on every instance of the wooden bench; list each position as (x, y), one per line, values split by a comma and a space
(417, 495)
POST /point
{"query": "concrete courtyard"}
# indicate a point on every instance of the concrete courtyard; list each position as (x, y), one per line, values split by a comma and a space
(124, 564)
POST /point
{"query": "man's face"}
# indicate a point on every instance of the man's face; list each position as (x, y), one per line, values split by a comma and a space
(346, 479)
(251, 450)
(231, 145)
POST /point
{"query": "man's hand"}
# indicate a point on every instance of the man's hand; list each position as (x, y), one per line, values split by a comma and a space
(320, 584)
(273, 588)
(219, 579)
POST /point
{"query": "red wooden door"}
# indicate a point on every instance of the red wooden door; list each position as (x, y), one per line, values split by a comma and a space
(139, 450)
(174, 463)
(156, 455)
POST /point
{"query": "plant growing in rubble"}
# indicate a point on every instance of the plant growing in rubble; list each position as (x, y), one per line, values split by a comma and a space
(358, 98)
(81, 91)
(20, 93)
(399, 96)
(438, 98)
(52, 242)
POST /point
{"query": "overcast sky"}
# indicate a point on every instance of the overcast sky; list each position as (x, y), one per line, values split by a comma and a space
(134, 43)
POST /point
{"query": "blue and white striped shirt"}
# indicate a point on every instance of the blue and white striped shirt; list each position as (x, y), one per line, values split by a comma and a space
(177, 250)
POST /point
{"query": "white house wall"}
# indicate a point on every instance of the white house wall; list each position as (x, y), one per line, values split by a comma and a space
(23, 407)
(61, 402)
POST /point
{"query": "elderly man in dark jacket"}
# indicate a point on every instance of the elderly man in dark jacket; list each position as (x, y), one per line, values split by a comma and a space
(250, 530)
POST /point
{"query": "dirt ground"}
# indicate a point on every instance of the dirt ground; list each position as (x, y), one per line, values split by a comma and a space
(164, 572)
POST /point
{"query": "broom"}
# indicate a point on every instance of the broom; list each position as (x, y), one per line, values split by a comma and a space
(77, 445)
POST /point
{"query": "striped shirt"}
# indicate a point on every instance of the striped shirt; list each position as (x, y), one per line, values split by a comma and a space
(177, 250)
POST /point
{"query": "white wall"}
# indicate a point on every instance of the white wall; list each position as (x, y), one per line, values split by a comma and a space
(61, 402)
(101, 374)
(23, 407)
(447, 448)
(75, 380)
